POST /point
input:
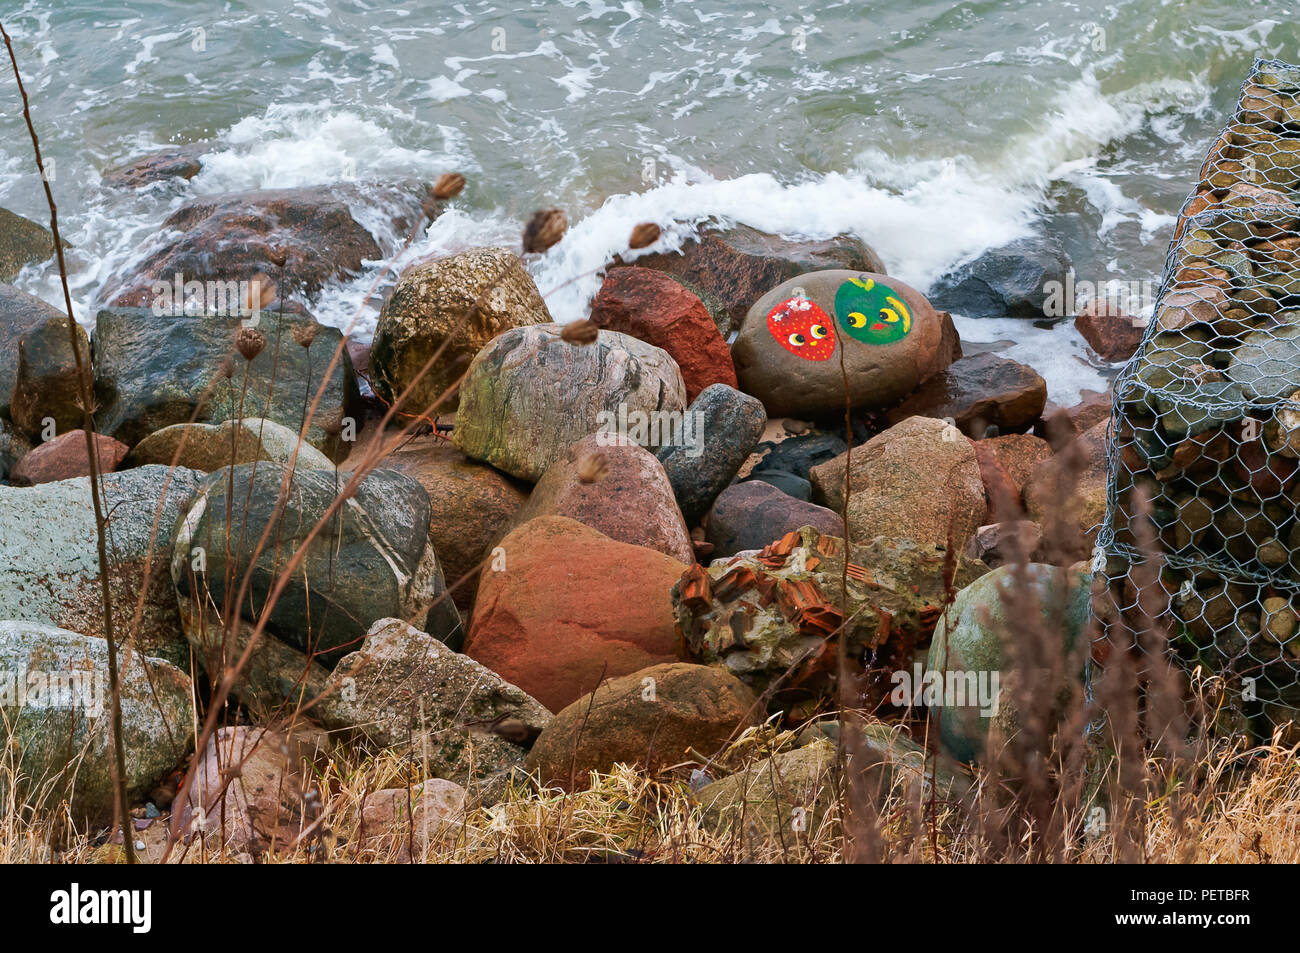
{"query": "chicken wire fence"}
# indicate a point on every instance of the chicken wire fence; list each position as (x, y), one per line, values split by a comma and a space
(1206, 425)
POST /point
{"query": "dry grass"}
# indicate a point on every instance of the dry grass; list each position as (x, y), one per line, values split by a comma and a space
(1248, 812)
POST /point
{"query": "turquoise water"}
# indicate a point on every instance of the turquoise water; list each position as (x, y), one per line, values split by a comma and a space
(932, 130)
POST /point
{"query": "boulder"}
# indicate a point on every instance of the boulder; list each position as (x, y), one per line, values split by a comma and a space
(13, 447)
(174, 162)
(462, 301)
(565, 606)
(918, 480)
(979, 392)
(736, 266)
(405, 691)
(65, 457)
(787, 353)
(152, 371)
(209, 447)
(777, 798)
(237, 236)
(649, 719)
(971, 640)
(56, 702)
(275, 680)
(1009, 541)
(787, 483)
(46, 385)
(1266, 365)
(471, 506)
(254, 790)
(728, 424)
(530, 395)
(652, 307)
(1109, 330)
(1016, 453)
(629, 499)
(49, 560)
(1014, 280)
(1066, 495)
(22, 242)
(371, 561)
(771, 617)
(394, 820)
(1062, 424)
(892, 763)
(19, 314)
(752, 514)
(1005, 465)
(798, 454)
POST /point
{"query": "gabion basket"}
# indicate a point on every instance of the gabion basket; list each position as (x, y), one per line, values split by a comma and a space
(1206, 422)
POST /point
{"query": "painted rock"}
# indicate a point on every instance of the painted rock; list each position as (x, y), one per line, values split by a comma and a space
(787, 353)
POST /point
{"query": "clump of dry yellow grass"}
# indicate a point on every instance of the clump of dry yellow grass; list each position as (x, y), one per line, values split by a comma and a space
(1247, 810)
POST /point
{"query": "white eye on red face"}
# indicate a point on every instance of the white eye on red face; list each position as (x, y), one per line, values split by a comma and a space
(802, 328)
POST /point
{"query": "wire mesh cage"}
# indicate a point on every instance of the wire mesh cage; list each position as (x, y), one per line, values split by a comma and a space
(1204, 450)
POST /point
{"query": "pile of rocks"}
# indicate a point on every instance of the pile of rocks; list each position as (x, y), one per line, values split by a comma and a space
(1208, 423)
(630, 549)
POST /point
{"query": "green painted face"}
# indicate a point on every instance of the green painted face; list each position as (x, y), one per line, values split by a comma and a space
(872, 312)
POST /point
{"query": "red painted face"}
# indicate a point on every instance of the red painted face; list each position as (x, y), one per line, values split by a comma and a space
(803, 329)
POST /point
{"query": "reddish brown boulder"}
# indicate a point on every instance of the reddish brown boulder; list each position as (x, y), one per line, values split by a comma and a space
(653, 307)
(1060, 425)
(471, 504)
(621, 490)
(1109, 331)
(235, 237)
(730, 269)
(1066, 496)
(1005, 465)
(174, 162)
(563, 606)
(648, 719)
(65, 457)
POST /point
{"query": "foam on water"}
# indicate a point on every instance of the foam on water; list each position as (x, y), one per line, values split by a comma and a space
(905, 131)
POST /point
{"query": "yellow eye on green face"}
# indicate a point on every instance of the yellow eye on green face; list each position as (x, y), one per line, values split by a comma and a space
(798, 340)
(889, 319)
(818, 331)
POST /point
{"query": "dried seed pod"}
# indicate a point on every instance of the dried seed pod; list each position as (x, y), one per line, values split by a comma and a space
(227, 367)
(580, 332)
(278, 256)
(545, 229)
(304, 334)
(644, 235)
(331, 422)
(448, 186)
(593, 468)
(249, 342)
